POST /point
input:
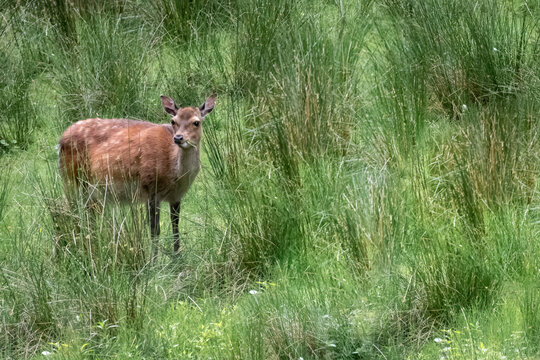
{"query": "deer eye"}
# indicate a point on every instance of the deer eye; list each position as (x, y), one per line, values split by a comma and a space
(196, 123)
(172, 122)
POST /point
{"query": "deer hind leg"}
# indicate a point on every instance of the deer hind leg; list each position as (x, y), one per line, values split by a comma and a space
(153, 215)
(175, 215)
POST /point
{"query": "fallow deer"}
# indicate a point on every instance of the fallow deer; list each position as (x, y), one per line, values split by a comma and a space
(138, 160)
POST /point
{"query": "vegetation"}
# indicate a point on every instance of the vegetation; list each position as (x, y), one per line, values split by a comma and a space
(369, 185)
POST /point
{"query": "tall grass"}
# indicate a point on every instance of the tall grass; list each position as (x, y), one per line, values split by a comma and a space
(468, 53)
(310, 76)
(85, 268)
(186, 21)
(301, 115)
(23, 58)
(64, 15)
(5, 188)
(107, 73)
(460, 181)
(369, 180)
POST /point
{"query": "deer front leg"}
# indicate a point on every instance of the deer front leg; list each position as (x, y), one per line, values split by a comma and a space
(175, 216)
(153, 215)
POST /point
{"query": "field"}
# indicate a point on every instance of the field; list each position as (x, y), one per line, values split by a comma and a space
(369, 182)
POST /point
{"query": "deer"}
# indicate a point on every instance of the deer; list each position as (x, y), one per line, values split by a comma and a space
(136, 160)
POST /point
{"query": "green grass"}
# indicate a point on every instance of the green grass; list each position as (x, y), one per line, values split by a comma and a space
(368, 186)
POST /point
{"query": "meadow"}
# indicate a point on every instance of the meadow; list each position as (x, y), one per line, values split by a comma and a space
(369, 182)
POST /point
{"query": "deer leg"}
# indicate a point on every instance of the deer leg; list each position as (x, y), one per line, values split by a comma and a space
(153, 215)
(175, 215)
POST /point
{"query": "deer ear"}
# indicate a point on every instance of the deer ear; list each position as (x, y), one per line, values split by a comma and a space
(169, 105)
(208, 105)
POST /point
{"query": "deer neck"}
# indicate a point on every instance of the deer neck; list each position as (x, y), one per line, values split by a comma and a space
(188, 162)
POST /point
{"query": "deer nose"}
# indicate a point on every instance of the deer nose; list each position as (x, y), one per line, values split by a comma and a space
(178, 139)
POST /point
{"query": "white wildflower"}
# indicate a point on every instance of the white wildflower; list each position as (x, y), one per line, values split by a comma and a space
(45, 353)
(253, 292)
(438, 340)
